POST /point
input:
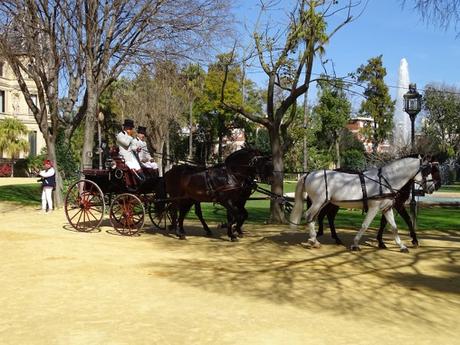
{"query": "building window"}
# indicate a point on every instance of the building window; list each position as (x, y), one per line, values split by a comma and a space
(32, 143)
(2, 101)
(2, 64)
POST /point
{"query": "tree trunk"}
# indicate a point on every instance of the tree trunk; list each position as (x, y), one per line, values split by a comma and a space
(190, 137)
(58, 194)
(220, 151)
(90, 126)
(276, 212)
(337, 151)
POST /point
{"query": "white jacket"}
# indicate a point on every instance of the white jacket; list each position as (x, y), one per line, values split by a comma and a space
(127, 148)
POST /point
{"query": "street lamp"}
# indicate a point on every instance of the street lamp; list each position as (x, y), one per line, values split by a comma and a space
(100, 120)
(412, 106)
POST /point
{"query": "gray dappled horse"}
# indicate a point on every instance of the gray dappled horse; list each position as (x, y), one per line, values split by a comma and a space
(374, 189)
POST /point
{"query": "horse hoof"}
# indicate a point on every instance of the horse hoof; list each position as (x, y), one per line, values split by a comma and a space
(382, 246)
(234, 239)
(339, 242)
(404, 250)
(311, 244)
(415, 244)
(240, 235)
(354, 248)
(209, 234)
(182, 237)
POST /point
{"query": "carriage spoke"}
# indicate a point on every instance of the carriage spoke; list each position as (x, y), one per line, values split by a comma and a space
(127, 214)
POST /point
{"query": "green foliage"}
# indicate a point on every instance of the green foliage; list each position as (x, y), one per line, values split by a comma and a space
(378, 104)
(68, 157)
(353, 159)
(332, 111)
(11, 131)
(259, 139)
(442, 124)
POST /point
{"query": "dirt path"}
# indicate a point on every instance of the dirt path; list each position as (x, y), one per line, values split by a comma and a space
(63, 287)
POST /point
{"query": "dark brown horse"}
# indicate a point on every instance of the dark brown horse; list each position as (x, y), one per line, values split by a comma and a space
(330, 211)
(229, 184)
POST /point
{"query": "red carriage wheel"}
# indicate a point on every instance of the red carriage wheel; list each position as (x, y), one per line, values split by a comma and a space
(127, 214)
(84, 205)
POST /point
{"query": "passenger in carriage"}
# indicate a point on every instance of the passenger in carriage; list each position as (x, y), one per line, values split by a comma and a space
(143, 153)
(127, 149)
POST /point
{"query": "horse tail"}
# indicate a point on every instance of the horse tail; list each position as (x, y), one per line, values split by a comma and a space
(296, 213)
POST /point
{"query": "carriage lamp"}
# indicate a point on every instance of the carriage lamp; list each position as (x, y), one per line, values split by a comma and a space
(412, 106)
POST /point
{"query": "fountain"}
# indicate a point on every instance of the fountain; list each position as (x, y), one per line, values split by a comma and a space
(401, 130)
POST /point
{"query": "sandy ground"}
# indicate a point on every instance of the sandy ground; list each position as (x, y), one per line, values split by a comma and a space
(59, 286)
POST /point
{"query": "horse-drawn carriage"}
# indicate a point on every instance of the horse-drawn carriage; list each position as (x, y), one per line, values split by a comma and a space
(165, 199)
(127, 199)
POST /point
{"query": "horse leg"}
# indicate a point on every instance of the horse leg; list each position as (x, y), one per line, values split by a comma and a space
(333, 210)
(391, 219)
(371, 213)
(182, 213)
(173, 213)
(230, 221)
(199, 214)
(403, 213)
(320, 220)
(242, 216)
(310, 216)
(383, 223)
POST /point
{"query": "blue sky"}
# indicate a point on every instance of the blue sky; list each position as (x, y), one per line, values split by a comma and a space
(386, 28)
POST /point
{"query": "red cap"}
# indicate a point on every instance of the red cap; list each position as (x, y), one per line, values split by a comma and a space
(47, 161)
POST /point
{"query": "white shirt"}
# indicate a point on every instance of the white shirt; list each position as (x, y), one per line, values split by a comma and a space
(144, 154)
(126, 149)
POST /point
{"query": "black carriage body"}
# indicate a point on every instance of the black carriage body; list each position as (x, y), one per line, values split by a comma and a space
(114, 181)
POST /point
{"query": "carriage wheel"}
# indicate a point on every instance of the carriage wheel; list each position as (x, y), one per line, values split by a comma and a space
(159, 214)
(84, 205)
(127, 214)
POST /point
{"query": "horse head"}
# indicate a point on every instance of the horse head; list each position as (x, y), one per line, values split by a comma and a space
(428, 177)
(263, 166)
(250, 162)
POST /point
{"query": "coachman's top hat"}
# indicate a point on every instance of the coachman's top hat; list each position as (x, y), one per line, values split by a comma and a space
(142, 130)
(128, 124)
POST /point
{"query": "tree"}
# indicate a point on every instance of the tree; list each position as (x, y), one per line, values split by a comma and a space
(441, 12)
(334, 111)
(378, 104)
(195, 81)
(287, 57)
(73, 50)
(442, 122)
(11, 131)
(155, 99)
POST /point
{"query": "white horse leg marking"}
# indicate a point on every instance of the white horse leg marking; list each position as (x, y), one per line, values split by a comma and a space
(371, 213)
(310, 216)
(391, 220)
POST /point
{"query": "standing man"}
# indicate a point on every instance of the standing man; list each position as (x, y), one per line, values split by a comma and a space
(127, 149)
(141, 147)
(48, 180)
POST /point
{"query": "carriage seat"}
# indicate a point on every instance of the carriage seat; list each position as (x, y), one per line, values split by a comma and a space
(117, 159)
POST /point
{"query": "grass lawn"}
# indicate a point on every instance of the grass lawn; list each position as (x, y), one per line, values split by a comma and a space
(439, 218)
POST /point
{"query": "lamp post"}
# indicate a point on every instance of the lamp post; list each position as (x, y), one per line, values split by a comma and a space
(100, 120)
(412, 106)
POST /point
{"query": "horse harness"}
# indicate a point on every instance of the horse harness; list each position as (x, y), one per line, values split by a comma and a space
(381, 184)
